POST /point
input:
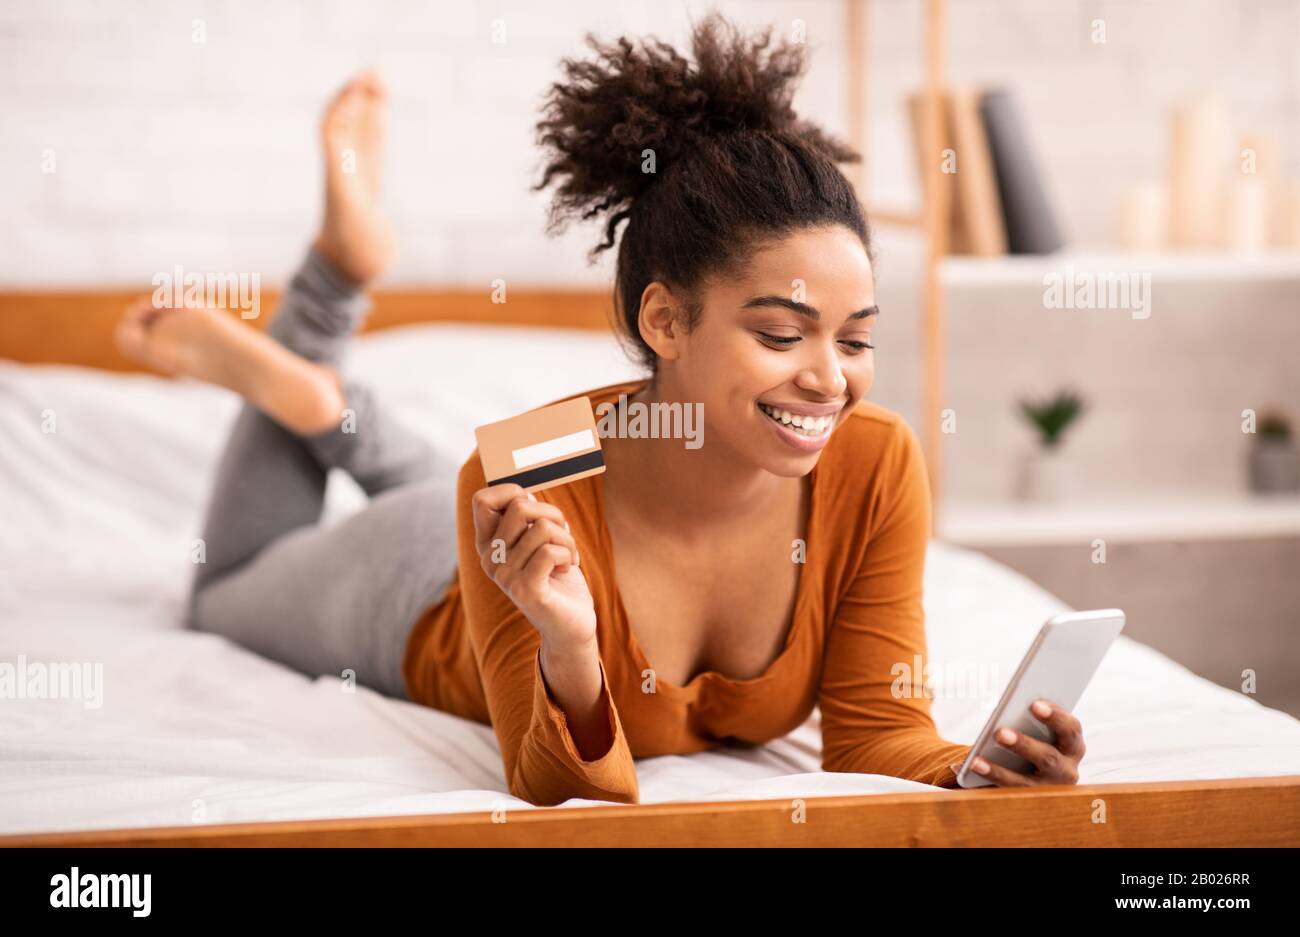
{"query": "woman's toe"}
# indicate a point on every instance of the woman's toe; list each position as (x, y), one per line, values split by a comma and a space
(129, 336)
(370, 82)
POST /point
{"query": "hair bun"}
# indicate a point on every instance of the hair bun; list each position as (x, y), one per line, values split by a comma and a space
(634, 96)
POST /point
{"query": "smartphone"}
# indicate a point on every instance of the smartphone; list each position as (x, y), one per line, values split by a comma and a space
(1057, 667)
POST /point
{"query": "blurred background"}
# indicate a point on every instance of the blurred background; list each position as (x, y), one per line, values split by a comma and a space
(1127, 453)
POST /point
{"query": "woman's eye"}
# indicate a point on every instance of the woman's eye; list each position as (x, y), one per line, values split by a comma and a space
(787, 340)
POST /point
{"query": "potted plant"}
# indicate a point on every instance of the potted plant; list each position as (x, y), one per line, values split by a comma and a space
(1274, 460)
(1044, 475)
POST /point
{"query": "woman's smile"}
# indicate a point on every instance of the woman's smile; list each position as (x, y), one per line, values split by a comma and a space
(805, 427)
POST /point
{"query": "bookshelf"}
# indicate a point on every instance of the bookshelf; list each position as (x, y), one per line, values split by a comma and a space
(943, 270)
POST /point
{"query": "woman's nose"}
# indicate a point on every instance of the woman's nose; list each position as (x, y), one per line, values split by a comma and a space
(823, 375)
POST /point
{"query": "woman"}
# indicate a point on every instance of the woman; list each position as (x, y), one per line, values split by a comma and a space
(687, 597)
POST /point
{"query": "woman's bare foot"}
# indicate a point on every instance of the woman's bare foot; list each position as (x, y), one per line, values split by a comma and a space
(355, 235)
(212, 346)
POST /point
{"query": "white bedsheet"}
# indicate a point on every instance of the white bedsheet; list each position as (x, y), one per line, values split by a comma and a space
(96, 524)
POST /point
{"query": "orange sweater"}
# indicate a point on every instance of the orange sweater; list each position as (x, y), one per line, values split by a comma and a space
(857, 621)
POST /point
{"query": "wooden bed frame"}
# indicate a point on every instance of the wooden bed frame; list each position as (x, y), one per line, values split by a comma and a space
(1245, 812)
(76, 328)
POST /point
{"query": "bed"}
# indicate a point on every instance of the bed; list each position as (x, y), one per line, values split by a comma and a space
(194, 740)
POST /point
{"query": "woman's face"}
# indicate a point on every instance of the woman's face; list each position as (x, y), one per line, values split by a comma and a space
(780, 355)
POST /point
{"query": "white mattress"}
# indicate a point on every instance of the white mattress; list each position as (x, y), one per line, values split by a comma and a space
(96, 523)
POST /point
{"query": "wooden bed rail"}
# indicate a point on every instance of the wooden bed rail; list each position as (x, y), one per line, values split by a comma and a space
(76, 327)
(1232, 812)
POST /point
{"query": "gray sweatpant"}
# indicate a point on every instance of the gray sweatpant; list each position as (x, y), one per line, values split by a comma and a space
(325, 599)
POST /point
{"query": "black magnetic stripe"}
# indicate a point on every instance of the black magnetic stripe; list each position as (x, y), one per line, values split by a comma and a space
(547, 473)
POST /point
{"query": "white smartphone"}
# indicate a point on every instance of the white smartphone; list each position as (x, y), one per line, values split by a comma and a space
(1057, 667)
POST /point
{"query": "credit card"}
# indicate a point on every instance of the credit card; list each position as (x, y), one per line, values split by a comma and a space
(542, 448)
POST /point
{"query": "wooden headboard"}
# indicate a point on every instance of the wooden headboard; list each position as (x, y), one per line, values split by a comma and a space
(76, 327)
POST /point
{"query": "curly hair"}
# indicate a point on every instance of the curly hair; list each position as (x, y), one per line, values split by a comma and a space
(702, 160)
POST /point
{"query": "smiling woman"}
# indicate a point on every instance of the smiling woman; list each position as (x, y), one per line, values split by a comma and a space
(687, 598)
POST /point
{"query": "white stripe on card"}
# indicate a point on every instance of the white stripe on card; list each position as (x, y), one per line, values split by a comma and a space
(553, 448)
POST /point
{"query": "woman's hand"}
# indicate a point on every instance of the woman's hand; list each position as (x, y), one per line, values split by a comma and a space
(1054, 764)
(526, 548)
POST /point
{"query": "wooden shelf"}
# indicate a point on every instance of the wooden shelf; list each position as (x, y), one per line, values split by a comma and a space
(1029, 270)
(1136, 518)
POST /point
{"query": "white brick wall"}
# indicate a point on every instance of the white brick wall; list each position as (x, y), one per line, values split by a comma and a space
(172, 152)
(205, 155)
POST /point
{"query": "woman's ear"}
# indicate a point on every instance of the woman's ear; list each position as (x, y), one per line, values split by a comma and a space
(660, 320)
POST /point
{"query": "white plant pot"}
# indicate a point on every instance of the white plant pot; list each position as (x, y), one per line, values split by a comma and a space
(1275, 468)
(1044, 477)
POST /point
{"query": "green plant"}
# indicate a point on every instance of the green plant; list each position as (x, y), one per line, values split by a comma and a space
(1052, 415)
(1273, 425)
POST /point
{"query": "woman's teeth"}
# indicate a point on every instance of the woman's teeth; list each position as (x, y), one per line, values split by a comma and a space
(803, 425)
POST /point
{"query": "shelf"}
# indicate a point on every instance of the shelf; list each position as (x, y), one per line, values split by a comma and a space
(1029, 269)
(1153, 518)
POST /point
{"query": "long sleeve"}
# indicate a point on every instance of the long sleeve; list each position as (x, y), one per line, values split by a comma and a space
(542, 763)
(875, 717)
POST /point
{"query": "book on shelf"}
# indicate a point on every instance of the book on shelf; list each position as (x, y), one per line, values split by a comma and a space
(979, 206)
(935, 167)
(990, 188)
(1026, 210)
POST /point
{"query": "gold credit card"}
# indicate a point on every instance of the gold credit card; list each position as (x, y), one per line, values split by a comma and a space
(542, 448)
